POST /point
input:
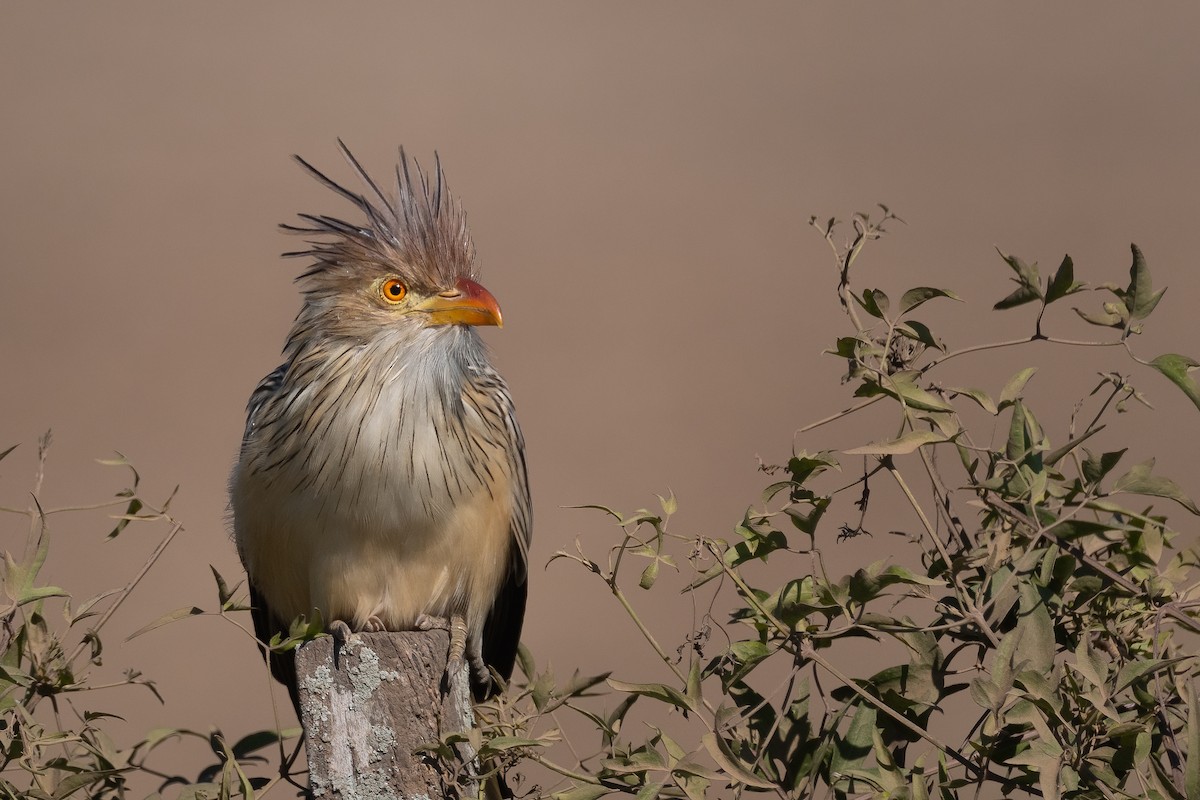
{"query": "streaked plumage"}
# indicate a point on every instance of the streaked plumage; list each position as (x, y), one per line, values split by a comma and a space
(382, 477)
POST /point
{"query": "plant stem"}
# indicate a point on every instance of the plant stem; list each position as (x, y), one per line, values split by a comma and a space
(129, 587)
(966, 603)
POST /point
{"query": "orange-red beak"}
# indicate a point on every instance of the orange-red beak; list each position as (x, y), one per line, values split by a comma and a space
(467, 303)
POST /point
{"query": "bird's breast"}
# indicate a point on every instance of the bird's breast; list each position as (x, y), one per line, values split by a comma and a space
(391, 502)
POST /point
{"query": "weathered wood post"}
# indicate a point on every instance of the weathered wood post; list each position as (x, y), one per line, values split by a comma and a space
(368, 703)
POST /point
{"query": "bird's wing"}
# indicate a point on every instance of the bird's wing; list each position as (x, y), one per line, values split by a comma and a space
(267, 388)
(502, 631)
(266, 622)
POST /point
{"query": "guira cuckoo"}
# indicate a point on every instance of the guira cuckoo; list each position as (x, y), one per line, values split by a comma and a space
(381, 481)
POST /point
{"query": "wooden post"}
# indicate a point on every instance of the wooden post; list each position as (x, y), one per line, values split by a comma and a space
(367, 704)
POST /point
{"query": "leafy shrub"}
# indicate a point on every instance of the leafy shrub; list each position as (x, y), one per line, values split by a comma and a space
(55, 743)
(1050, 596)
(1043, 590)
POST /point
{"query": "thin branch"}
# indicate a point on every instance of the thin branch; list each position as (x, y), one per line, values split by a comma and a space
(129, 587)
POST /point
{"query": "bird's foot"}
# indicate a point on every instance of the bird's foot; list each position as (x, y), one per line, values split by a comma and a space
(464, 651)
(373, 624)
(427, 622)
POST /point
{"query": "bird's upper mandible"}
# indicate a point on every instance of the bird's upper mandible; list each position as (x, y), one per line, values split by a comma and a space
(465, 303)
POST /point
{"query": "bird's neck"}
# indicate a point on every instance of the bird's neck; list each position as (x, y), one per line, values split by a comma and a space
(435, 358)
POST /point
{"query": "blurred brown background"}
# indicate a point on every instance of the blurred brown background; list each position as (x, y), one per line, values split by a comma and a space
(638, 179)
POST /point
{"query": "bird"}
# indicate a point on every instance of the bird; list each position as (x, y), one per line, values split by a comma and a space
(381, 483)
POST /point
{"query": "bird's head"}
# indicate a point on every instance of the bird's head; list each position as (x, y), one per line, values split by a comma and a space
(409, 264)
(464, 303)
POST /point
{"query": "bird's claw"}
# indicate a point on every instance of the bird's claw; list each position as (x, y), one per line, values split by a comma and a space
(427, 622)
(373, 624)
(480, 672)
(340, 632)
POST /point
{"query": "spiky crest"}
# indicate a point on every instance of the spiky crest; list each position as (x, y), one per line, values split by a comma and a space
(419, 232)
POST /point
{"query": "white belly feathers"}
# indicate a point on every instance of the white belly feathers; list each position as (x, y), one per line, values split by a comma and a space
(381, 512)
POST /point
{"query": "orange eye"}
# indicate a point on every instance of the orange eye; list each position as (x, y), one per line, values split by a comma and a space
(393, 290)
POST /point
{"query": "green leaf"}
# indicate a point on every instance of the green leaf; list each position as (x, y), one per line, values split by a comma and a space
(1018, 434)
(748, 655)
(580, 683)
(1140, 297)
(1090, 664)
(846, 347)
(1038, 687)
(853, 750)
(615, 719)
(592, 506)
(300, 630)
(224, 594)
(130, 515)
(1026, 273)
(170, 616)
(979, 396)
(1056, 455)
(658, 691)
(695, 787)
(804, 465)
(1139, 481)
(759, 544)
(946, 423)
(1035, 629)
(72, 783)
(693, 683)
(795, 600)
(902, 384)
(907, 443)
(1109, 319)
(1016, 384)
(891, 779)
(1073, 529)
(1019, 297)
(40, 593)
(650, 791)
(526, 661)
(1135, 670)
(804, 522)
(1094, 469)
(84, 610)
(1177, 368)
(649, 575)
(690, 766)
(1028, 283)
(719, 749)
(898, 574)
(874, 302)
(915, 297)
(917, 787)
(1045, 764)
(1063, 283)
(584, 791)
(919, 332)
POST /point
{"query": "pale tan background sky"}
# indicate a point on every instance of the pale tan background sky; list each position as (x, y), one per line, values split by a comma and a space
(638, 179)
